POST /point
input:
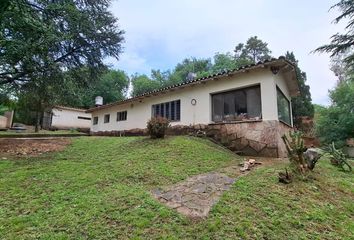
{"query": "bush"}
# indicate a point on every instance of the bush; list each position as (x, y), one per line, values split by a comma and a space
(157, 127)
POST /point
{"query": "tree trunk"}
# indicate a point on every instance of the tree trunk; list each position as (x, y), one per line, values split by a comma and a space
(38, 121)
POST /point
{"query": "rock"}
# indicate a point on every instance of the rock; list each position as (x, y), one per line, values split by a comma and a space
(251, 161)
(312, 155)
(246, 167)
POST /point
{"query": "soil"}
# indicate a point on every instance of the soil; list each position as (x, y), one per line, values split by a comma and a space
(31, 147)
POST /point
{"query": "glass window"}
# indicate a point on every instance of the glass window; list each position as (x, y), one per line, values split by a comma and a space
(284, 113)
(106, 118)
(122, 116)
(170, 110)
(237, 105)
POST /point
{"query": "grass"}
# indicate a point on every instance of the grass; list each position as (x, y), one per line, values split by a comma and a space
(98, 188)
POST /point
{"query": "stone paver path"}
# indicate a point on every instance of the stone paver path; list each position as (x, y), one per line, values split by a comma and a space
(195, 196)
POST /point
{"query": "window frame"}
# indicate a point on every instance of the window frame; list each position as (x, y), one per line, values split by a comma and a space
(105, 118)
(289, 106)
(122, 116)
(174, 110)
(222, 97)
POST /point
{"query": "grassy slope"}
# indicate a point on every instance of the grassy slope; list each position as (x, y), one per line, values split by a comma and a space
(98, 188)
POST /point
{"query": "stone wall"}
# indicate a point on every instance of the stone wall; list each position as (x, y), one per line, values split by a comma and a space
(257, 138)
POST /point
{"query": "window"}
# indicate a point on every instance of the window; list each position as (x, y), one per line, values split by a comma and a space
(106, 118)
(84, 118)
(169, 110)
(121, 116)
(95, 120)
(284, 113)
(237, 105)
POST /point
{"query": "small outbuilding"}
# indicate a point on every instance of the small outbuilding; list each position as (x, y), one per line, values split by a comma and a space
(61, 118)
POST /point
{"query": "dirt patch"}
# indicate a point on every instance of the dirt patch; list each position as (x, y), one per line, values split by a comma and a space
(32, 147)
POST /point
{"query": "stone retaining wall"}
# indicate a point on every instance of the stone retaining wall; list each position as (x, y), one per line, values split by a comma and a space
(256, 138)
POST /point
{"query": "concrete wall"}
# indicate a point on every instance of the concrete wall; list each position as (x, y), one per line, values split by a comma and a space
(3, 122)
(139, 112)
(10, 116)
(65, 119)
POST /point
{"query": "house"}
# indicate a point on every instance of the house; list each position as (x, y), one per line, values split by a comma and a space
(61, 117)
(248, 109)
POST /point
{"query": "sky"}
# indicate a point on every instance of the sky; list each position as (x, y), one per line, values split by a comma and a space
(161, 33)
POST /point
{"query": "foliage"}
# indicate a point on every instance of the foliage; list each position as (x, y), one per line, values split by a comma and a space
(143, 84)
(301, 105)
(336, 122)
(223, 61)
(104, 184)
(338, 158)
(340, 43)
(112, 85)
(253, 51)
(157, 127)
(51, 37)
(188, 66)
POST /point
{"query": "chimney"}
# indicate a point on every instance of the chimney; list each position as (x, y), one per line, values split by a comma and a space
(98, 101)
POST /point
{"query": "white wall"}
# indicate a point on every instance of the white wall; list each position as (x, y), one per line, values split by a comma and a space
(65, 118)
(3, 122)
(138, 113)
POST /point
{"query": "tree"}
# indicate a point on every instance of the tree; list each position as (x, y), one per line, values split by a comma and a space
(222, 62)
(143, 84)
(253, 51)
(302, 104)
(36, 96)
(339, 66)
(51, 37)
(182, 72)
(340, 43)
(112, 85)
(336, 122)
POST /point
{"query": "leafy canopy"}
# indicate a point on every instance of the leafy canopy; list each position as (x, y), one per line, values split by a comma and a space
(341, 42)
(43, 37)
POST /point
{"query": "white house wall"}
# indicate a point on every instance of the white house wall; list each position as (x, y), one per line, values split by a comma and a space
(138, 113)
(65, 119)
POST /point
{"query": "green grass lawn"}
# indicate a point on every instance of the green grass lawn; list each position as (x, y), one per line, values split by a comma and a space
(98, 188)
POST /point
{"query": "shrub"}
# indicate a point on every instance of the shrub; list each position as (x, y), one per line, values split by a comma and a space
(157, 127)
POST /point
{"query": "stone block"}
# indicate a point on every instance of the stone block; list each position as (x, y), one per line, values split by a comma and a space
(256, 145)
(268, 152)
(248, 151)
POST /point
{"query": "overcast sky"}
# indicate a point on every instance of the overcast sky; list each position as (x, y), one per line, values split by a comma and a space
(161, 33)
